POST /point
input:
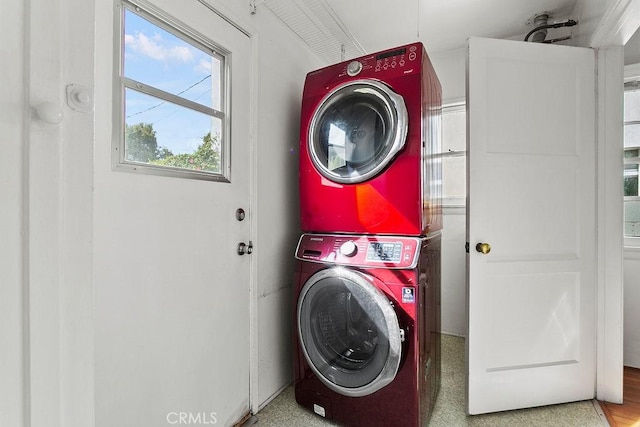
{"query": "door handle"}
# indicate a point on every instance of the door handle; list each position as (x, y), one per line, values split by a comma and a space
(243, 248)
(483, 248)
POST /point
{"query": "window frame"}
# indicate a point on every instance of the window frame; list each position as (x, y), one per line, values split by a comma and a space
(453, 204)
(121, 83)
(632, 73)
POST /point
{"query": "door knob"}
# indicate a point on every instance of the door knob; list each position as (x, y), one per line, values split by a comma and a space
(243, 248)
(483, 248)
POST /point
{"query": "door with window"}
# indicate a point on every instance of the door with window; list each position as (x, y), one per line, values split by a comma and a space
(172, 215)
(531, 225)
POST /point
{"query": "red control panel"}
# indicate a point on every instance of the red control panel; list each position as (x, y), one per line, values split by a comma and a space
(361, 251)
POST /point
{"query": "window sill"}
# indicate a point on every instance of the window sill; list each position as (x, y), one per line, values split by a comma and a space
(632, 248)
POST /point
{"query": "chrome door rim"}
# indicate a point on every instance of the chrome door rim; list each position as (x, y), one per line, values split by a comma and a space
(395, 109)
(393, 334)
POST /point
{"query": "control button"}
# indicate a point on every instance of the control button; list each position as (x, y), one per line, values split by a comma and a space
(354, 68)
(412, 56)
(348, 248)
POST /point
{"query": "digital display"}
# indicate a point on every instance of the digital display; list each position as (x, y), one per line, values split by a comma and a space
(391, 53)
(384, 251)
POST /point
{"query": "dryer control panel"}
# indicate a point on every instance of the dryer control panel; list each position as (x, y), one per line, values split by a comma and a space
(401, 60)
(359, 250)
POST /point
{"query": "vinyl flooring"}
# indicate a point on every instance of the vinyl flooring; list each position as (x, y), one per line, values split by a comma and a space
(449, 410)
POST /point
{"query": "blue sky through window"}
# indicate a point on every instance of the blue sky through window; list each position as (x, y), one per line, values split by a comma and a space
(157, 58)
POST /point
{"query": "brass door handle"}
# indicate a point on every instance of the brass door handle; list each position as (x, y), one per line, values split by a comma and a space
(483, 248)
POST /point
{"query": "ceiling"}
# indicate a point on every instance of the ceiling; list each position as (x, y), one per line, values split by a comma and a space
(441, 25)
(365, 26)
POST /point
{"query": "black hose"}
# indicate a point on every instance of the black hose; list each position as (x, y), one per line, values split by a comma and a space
(568, 23)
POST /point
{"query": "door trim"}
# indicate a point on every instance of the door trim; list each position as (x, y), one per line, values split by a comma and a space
(610, 315)
(617, 25)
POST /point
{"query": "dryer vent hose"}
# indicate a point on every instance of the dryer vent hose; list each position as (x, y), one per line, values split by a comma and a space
(540, 31)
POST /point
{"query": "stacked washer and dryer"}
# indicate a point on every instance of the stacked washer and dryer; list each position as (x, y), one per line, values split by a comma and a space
(367, 279)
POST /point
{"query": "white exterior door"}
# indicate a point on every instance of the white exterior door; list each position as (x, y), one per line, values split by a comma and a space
(172, 295)
(531, 187)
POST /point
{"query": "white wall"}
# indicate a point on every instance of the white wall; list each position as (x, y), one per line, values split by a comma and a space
(282, 67)
(588, 13)
(45, 272)
(450, 67)
(12, 107)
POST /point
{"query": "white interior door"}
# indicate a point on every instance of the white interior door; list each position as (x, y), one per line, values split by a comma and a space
(171, 293)
(531, 186)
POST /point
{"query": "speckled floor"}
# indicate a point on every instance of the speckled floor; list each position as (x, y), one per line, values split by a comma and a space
(449, 411)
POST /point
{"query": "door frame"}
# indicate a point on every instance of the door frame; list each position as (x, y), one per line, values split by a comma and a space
(254, 322)
(617, 25)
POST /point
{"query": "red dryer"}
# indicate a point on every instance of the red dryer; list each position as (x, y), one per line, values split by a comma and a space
(367, 328)
(370, 146)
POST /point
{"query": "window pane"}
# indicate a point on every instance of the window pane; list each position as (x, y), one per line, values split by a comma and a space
(631, 180)
(158, 58)
(631, 105)
(161, 133)
(454, 176)
(454, 131)
(454, 144)
(631, 135)
(632, 218)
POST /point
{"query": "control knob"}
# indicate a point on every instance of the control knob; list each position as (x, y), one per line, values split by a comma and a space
(348, 248)
(354, 68)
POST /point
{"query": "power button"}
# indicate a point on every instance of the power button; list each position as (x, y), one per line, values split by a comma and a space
(354, 68)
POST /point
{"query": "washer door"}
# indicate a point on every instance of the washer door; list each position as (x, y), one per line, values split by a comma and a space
(349, 332)
(357, 130)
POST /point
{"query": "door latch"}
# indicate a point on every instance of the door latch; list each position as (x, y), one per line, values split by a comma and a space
(243, 248)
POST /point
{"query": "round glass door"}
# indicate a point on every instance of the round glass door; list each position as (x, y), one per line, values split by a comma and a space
(357, 130)
(349, 332)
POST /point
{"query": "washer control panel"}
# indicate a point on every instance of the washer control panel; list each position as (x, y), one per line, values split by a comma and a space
(358, 250)
(403, 59)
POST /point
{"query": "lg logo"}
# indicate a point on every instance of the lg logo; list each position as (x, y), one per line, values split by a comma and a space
(198, 418)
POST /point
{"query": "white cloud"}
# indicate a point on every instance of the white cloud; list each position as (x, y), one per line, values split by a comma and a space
(204, 66)
(157, 48)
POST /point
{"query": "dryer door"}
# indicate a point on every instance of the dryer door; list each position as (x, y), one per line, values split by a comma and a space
(356, 131)
(349, 332)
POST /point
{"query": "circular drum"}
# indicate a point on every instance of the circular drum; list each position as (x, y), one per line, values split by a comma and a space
(349, 332)
(357, 130)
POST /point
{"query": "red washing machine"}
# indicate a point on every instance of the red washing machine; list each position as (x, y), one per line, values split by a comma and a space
(370, 146)
(367, 328)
